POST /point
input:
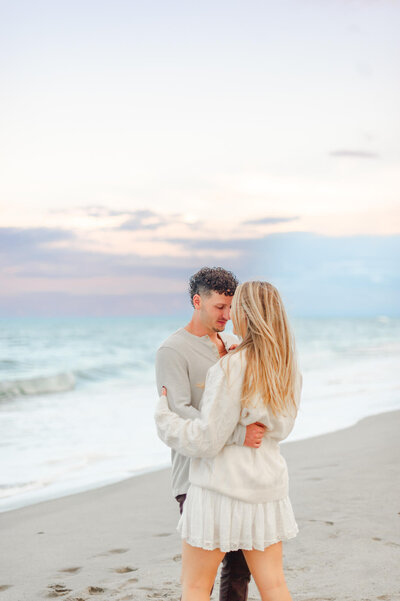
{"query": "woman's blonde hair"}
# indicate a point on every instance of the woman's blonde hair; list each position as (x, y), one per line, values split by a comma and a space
(259, 319)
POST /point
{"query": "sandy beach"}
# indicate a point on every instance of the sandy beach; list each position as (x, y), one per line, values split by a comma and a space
(119, 542)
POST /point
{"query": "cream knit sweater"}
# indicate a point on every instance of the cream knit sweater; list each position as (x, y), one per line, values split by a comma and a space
(244, 473)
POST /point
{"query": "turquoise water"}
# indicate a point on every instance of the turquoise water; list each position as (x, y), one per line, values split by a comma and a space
(77, 395)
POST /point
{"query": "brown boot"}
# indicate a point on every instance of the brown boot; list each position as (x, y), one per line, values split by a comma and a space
(235, 577)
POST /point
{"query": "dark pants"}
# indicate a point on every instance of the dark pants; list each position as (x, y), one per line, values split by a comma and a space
(235, 575)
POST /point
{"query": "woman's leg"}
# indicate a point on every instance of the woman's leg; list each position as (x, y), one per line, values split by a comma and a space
(267, 570)
(199, 569)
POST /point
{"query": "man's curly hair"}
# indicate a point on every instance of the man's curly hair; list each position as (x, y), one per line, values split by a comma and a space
(212, 279)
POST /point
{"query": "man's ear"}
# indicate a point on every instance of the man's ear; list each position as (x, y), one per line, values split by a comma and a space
(197, 301)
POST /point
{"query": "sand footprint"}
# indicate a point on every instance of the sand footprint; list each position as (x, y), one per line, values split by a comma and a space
(129, 581)
(390, 544)
(58, 590)
(95, 590)
(146, 588)
(297, 569)
(163, 534)
(170, 594)
(111, 552)
(124, 570)
(71, 570)
(323, 599)
(327, 522)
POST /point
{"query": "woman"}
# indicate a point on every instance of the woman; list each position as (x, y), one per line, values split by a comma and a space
(238, 496)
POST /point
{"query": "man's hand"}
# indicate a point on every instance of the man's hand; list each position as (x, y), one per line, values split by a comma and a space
(254, 435)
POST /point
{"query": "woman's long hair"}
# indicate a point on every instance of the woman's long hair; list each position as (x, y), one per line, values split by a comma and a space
(259, 319)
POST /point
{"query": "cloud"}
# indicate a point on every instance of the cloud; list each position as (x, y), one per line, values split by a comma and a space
(212, 243)
(92, 211)
(138, 220)
(21, 242)
(354, 154)
(29, 253)
(144, 220)
(32, 236)
(317, 275)
(98, 211)
(270, 220)
(149, 220)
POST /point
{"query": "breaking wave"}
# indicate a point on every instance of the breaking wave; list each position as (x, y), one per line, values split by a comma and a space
(39, 385)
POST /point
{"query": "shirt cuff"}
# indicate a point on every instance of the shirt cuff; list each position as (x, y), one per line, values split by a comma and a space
(240, 435)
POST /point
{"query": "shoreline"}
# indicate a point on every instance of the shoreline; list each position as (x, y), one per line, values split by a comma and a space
(38, 496)
(119, 542)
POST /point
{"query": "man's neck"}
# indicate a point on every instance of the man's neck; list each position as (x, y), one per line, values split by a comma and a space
(198, 329)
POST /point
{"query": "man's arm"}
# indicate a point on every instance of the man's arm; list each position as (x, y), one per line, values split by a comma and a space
(172, 372)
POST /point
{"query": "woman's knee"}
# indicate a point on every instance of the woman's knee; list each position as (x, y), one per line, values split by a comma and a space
(280, 592)
(196, 582)
(196, 590)
(274, 582)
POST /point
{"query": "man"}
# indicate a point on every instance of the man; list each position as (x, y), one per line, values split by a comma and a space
(181, 365)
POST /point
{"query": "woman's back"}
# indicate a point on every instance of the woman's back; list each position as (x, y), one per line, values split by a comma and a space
(254, 475)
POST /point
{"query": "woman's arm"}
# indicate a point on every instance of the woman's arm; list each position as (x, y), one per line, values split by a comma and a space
(172, 371)
(220, 412)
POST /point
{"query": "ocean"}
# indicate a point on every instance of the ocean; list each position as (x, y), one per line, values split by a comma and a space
(77, 395)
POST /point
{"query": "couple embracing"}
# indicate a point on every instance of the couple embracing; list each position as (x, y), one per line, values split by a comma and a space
(225, 404)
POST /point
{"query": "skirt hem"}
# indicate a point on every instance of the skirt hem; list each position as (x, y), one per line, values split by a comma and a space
(227, 547)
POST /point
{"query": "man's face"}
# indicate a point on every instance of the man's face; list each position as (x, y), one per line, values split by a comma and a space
(215, 310)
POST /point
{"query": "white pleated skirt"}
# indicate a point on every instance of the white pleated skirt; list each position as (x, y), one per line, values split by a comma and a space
(211, 520)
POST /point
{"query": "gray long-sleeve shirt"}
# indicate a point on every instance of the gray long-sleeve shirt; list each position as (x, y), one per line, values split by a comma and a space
(182, 363)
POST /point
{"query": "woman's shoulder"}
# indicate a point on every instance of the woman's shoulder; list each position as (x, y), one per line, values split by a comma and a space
(233, 364)
(226, 375)
(236, 358)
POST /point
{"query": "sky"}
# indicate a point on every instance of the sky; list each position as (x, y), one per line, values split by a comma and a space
(143, 140)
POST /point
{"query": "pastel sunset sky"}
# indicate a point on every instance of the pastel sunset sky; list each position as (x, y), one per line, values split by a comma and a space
(143, 140)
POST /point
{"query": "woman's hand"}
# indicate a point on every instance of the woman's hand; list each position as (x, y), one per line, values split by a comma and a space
(163, 391)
